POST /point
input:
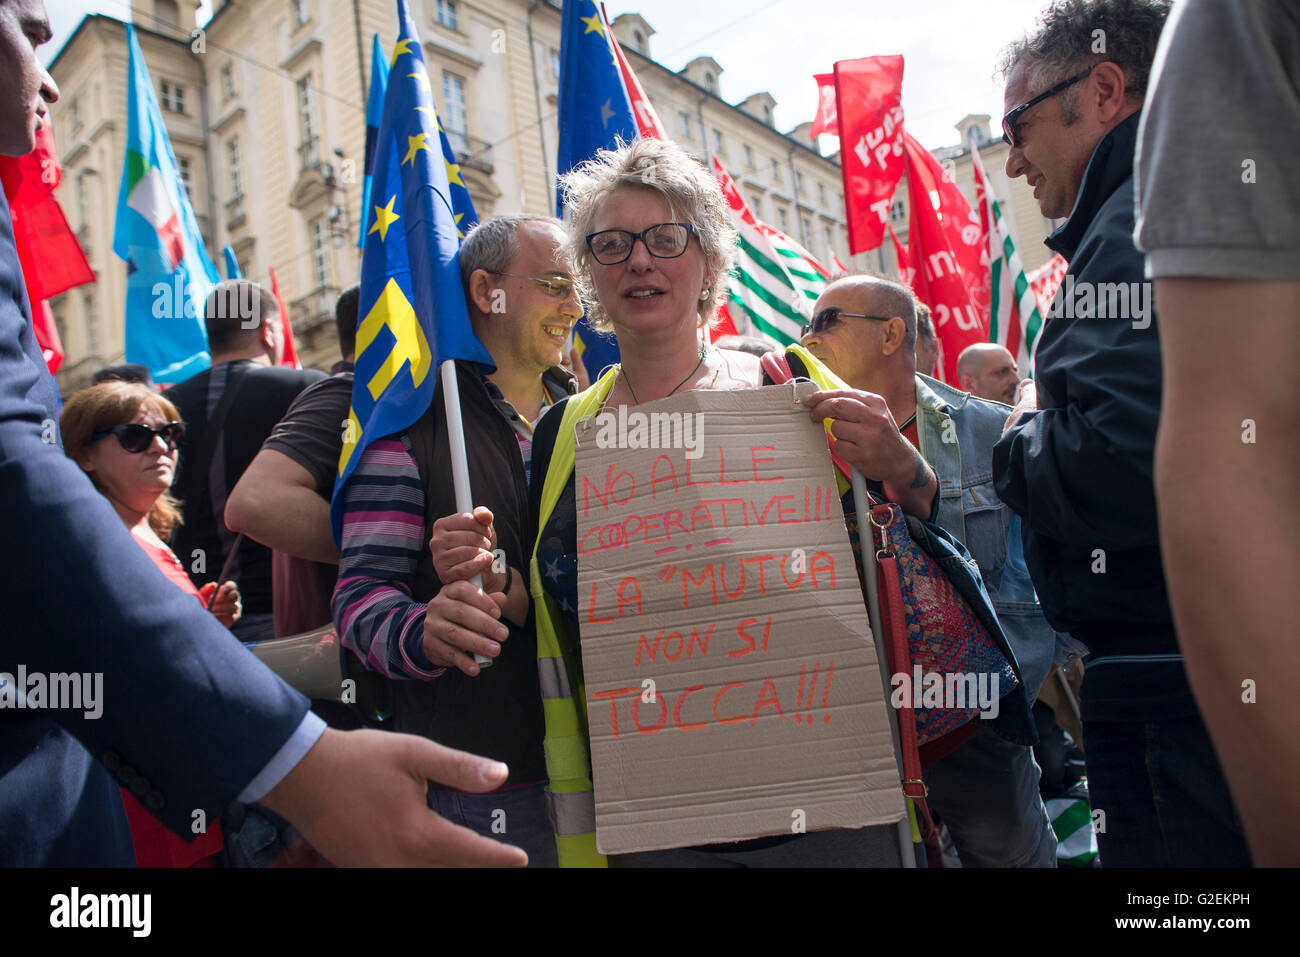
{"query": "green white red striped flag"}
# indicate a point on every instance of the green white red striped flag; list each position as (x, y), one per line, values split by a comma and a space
(776, 281)
(1014, 317)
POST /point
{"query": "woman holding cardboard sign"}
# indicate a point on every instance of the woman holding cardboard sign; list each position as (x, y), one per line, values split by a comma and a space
(652, 242)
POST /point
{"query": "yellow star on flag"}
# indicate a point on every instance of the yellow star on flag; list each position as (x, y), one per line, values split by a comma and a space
(422, 78)
(593, 24)
(453, 174)
(403, 46)
(384, 217)
(425, 109)
(413, 145)
(459, 217)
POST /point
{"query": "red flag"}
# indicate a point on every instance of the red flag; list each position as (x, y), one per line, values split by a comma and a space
(905, 270)
(948, 252)
(647, 120)
(869, 92)
(1045, 280)
(826, 120)
(839, 266)
(48, 251)
(290, 357)
(724, 326)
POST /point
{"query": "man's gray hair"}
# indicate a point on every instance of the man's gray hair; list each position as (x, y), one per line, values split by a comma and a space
(492, 244)
(690, 191)
(1075, 35)
(924, 323)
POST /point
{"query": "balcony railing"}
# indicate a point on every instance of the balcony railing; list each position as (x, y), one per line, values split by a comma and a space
(309, 154)
(314, 309)
(471, 151)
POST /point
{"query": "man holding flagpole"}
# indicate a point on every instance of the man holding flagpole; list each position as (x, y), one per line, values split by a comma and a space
(189, 717)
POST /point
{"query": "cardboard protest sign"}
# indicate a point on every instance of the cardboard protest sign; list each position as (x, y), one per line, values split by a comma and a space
(733, 689)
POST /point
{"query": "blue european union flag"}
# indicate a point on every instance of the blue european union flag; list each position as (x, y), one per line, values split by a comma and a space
(412, 307)
(595, 113)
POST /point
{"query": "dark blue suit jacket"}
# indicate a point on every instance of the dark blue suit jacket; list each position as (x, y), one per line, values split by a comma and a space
(189, 716)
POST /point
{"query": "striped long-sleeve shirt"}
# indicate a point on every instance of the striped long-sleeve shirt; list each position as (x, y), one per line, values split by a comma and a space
(383, 539)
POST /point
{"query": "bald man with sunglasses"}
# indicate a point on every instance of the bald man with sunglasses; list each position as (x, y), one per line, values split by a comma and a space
(931, 447)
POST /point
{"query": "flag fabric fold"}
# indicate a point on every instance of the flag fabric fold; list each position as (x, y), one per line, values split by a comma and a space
(595, 113)
(771, 291)
(412, 312)
(947, 252)
(51, 258)
(169, 271)
(289, 358)
(374, 113)
(1014, 318)
(232, 264)
(827, 118)
(869, 107)
(647, 120)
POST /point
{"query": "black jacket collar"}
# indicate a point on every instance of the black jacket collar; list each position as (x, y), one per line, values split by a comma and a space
(1111, 164)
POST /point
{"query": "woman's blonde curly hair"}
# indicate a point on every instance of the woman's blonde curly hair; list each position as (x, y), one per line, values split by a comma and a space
(688, 189)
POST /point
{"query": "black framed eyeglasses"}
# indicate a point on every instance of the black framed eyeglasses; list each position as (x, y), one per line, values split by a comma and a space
(557, 287)
(1011, 122)
(609, 247)
(135, 437)
(828, 317)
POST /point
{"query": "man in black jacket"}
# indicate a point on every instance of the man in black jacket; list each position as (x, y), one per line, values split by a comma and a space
(1076, 459)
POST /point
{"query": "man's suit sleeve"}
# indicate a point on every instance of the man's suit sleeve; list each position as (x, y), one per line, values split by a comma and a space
(1081, 471)
(185, 707)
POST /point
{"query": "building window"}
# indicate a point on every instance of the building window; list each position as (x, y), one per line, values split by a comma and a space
(447, 14)
(756, 206)
(171, 96)
(684, 123)
(74, 109)
(308, 141)
(555, 64)
(319, 252)
(639, 39)
(301, 15)
(805, 231)
(454, 113)
(767, 114)
(830, 243)
(228, 82)
(776, 171)
(897, 211)
(186, 172)
(798, 182)
(83, 204)
(749, 156)
(821, 193)
(719, 146)
(782, 220)
(233, 163)
(710, 83)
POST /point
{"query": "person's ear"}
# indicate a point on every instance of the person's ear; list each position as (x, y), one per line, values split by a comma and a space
(481, 291)
(1107, 89)
(895, 330)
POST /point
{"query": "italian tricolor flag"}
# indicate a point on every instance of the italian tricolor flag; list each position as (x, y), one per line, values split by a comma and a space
(150, 198)
(1014, 319)
(776, 281)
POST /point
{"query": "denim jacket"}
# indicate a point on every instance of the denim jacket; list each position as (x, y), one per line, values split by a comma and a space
(955, 433)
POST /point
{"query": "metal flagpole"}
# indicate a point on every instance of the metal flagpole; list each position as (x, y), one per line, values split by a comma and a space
(459, 459)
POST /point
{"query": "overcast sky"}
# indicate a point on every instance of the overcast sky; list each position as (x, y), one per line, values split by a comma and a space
(949, 47)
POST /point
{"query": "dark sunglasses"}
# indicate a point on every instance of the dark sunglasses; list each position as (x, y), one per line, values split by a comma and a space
(1011, 122)
(828, 317)
(134, 437)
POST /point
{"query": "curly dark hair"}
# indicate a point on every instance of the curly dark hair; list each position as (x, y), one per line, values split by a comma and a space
(1074, 35)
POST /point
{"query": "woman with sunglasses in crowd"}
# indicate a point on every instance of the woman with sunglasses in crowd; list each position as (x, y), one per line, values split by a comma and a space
(124, 436)
(652, 243)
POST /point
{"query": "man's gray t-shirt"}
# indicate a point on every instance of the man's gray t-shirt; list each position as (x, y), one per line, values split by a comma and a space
(1218, 193)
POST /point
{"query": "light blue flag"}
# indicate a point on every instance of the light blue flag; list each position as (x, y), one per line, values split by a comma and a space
(595, 113)
(168, 271)
(232, 264)
(412, 306)
(374, 113)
